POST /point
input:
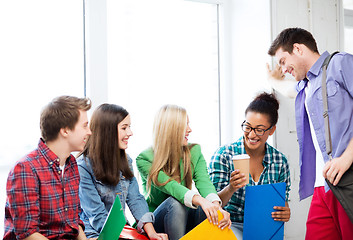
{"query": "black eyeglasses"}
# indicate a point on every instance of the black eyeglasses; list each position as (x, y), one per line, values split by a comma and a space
(258, 131)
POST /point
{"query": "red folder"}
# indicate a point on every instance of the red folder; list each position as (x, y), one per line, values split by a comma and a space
(131, 233)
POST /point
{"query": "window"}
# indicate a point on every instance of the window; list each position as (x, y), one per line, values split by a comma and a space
(41, 48)
(348, 25)
(164, 52)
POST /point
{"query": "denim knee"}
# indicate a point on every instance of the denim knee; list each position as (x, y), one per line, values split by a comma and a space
(237, 229)
(171, 218)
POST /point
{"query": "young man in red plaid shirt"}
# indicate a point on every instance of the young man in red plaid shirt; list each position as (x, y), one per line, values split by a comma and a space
(42, 188)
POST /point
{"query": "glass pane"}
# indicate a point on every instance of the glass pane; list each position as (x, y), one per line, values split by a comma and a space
(348, 25)
(348, 4)
(41, 48)
(164, 52)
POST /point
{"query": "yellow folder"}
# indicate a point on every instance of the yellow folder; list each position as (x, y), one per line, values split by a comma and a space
(208, 231)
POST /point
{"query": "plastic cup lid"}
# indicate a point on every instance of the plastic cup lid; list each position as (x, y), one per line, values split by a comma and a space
(241, 156)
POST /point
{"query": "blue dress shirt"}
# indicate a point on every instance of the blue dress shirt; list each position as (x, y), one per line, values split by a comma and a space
(340, 110)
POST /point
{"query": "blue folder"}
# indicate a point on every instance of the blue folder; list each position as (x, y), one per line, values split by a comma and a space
(259, 203)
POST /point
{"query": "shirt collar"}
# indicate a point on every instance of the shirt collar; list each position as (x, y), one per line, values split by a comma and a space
(49, 155)
(313, 72)
(316, 68)
(301, 84)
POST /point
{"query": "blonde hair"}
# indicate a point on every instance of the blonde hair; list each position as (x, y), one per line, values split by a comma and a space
(168, 132)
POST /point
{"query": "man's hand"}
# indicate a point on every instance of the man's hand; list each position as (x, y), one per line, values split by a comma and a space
(335, 168)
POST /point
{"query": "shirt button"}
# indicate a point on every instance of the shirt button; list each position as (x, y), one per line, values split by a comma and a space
(66, 209)
(57, 160)
(59, 172)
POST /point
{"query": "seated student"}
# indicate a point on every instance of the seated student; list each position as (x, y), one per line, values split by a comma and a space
(42, 188)
(267, 165)
(168, 170)
(106, 172)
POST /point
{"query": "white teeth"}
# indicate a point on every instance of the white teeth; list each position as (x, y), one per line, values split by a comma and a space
(253, 141)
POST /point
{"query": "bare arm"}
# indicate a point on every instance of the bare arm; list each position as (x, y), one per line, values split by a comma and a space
(237, 180)
(278, 82)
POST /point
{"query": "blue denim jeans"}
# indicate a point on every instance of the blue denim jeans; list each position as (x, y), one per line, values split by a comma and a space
(237, 229)
(175, 219)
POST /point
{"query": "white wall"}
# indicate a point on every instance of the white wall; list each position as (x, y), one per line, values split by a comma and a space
(247, 36)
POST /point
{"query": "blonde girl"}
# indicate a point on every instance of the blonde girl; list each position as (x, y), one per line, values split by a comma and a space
(168, 170)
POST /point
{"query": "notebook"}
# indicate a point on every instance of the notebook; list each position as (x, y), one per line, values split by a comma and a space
(259, 203)
(114, 223)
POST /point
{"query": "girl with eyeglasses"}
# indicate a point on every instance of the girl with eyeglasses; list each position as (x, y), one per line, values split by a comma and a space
(267, 164)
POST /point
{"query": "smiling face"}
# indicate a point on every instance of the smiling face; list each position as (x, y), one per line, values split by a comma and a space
(257, 120)
(187, 132)
(293, 63)
(124, 132)
(77, 137)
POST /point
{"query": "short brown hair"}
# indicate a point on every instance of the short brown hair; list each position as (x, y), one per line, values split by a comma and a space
(61, 112)
(289, 36)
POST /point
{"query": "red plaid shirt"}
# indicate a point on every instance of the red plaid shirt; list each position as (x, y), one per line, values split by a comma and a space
(40, 199)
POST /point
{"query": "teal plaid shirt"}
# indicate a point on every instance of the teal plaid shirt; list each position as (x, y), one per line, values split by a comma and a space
(276, 169)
